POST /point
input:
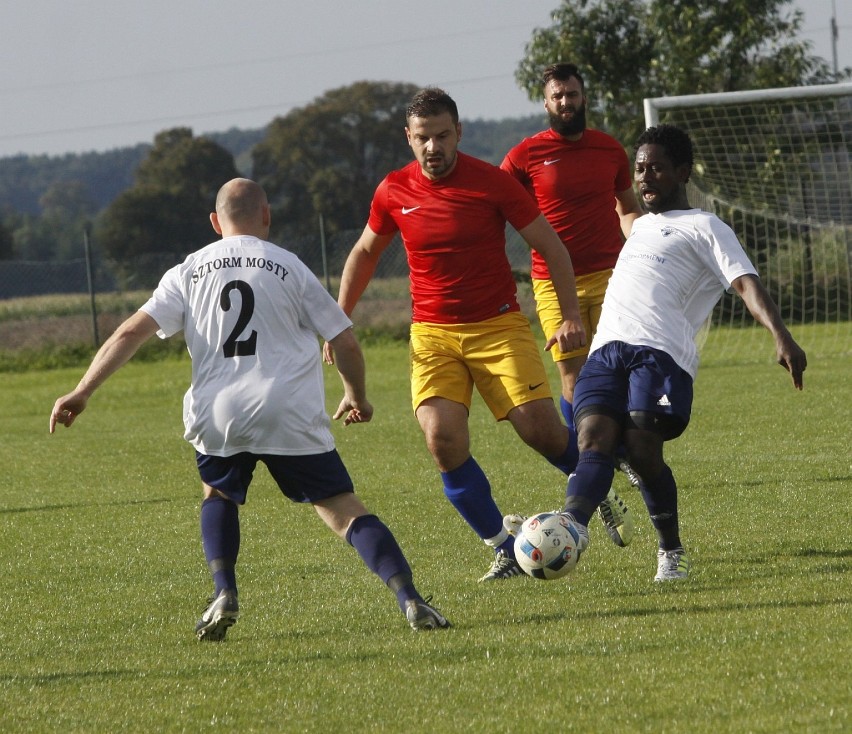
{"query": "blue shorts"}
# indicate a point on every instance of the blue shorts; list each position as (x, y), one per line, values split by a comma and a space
(308, 478)
(641, 387)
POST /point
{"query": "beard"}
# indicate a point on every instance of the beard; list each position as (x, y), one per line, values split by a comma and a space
(575, 125)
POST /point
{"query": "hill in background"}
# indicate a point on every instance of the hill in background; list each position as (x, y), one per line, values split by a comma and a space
(25, 179)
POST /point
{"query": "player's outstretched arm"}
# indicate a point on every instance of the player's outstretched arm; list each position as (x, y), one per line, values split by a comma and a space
(354, 407)
(758, 301)
(115, 352)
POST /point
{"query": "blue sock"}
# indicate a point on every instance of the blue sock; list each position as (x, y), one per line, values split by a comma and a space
(469, 491)
(660, 497)
(220, 537)
(568, 414)
(589, 485)
(567, 462)
(378, 548)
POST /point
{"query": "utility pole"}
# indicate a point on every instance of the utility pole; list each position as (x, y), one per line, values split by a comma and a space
(87, 249)
(834, 36)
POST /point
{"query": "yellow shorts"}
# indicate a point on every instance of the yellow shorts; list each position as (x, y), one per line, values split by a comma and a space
(499, 356)
(590, 293)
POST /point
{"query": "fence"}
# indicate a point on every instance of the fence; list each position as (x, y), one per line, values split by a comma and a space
(50, 303)
(45, 304)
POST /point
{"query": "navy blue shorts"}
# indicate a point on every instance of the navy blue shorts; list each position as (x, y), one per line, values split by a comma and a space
(639, 386)
(309, 478)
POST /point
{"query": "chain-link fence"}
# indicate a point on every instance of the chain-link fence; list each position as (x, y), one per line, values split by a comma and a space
(44, 304)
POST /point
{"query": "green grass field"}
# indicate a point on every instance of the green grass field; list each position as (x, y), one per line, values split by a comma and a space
(104, 577)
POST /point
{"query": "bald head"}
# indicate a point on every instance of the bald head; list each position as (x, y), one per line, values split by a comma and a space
(241, 208)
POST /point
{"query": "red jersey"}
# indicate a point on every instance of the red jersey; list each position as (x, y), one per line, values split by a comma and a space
(574, 183)
(454, 232)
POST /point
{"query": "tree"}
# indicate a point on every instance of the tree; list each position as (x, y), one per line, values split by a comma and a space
(327, 158)
(167, 209)
(67, 209)
(183, 165)
(632, 49)
(33, 239)
(7, 243)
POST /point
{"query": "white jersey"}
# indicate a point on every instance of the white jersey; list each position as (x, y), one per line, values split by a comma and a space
(669, 276)
(251, 313)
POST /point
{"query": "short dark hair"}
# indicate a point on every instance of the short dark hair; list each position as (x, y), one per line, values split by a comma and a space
(672, 139)
(430, 102)
(562, 72)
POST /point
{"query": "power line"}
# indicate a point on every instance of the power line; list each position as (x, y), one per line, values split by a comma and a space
(179, 119)
(325, 51)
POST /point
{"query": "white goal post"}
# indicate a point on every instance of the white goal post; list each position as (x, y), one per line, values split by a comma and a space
(776, 165)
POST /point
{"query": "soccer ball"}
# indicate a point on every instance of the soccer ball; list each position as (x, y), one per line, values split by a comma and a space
(546, 546)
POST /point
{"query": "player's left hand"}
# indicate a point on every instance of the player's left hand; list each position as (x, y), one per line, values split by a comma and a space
(360, 413)
(793, 359)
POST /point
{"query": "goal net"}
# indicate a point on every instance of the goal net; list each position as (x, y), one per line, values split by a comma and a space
(776, 165)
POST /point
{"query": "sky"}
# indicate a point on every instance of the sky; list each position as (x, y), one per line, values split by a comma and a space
(95, 75)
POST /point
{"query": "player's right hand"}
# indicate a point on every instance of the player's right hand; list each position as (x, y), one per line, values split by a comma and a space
(66, 409)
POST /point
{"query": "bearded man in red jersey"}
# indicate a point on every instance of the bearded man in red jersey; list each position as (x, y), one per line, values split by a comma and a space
(581, 180)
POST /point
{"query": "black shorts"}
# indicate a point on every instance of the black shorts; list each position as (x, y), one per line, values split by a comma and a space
(638, 386)
(301, 478)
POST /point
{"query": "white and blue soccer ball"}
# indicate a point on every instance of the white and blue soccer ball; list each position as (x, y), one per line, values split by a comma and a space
(546, 546)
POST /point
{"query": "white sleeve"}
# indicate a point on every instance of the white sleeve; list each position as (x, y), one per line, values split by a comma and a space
(320, 312)
(167, 304)
(722, 252)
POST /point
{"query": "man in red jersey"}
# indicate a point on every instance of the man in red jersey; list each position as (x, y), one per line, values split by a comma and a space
(582, 182)
(467, 329)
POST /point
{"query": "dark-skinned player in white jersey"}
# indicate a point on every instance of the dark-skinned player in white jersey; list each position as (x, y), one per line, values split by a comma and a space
(636, 387)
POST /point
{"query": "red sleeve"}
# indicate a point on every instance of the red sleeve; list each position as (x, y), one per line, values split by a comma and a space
(381, 221)
(515, 164)
(517, 202)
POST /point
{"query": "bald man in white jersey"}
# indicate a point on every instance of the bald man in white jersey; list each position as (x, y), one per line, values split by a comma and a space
(251, 313)
(636, 386)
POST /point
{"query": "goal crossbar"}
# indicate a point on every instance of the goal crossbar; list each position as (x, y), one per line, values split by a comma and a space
(653, 105)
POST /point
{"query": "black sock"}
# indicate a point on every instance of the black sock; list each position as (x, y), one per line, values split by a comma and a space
(382, 555)
(660, 497)
(220, 537)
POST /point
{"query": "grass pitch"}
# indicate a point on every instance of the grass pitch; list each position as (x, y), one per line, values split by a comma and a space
(104, 577)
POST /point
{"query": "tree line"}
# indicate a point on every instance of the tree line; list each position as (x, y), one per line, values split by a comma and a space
(138, 203)
(326, 158)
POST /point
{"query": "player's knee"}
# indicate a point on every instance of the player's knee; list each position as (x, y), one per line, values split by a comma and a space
(597, 431)
(446, 452)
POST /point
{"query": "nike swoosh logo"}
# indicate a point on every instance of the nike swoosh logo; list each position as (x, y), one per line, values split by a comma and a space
(408, 210)
(551, 162)
(535, 387)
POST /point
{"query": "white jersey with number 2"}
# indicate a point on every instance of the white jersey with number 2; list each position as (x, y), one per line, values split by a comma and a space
(251, 313)
(669, 276)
